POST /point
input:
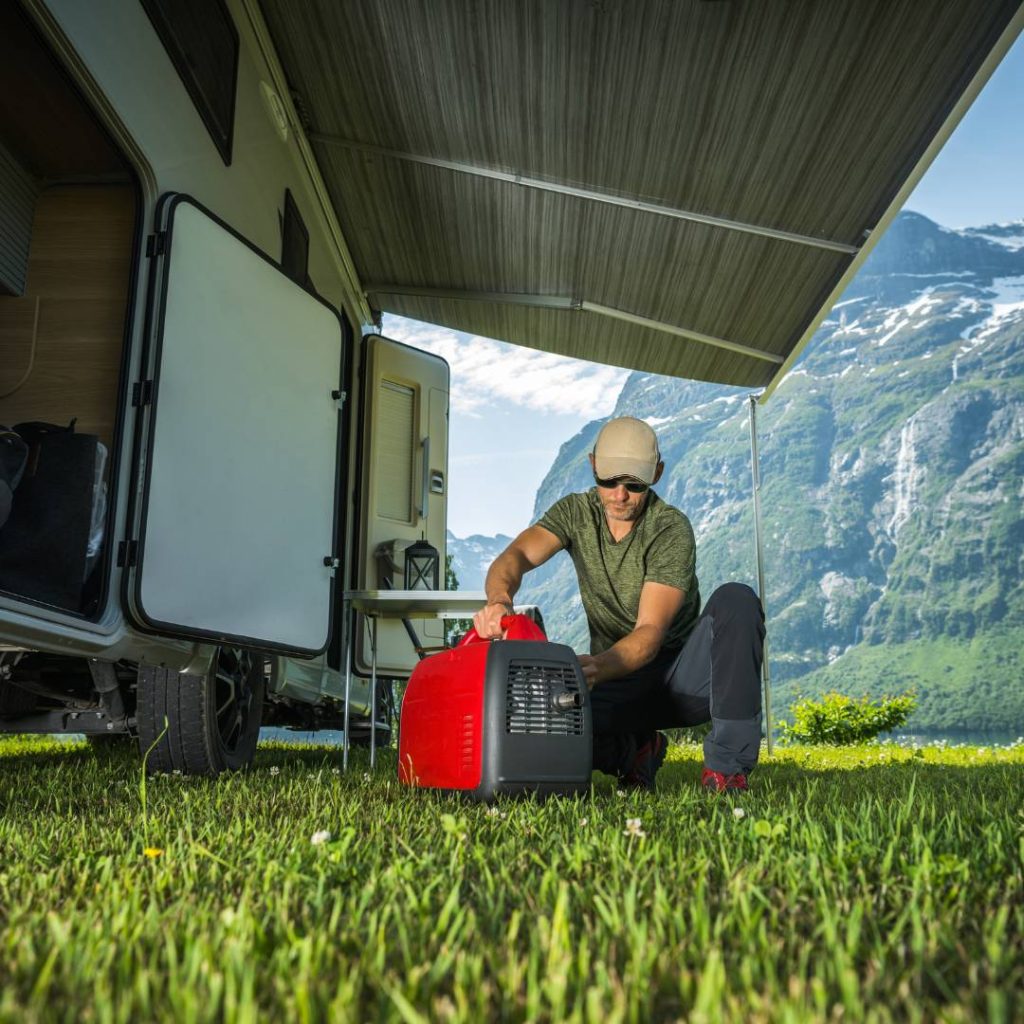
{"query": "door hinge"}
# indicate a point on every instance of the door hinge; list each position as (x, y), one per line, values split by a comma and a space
(142, 392)
(127, 553)
(156, 244)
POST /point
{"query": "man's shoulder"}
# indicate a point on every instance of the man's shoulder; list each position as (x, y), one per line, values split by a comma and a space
(576, 502)
(662, 514)
(570, 513)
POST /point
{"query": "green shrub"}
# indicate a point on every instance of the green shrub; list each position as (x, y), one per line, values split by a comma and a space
(838, 719)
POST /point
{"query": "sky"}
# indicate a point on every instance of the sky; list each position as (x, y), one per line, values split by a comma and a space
(512, 408)
(976, 178)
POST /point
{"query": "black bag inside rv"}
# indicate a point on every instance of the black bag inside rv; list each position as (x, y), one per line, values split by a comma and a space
(44, 542)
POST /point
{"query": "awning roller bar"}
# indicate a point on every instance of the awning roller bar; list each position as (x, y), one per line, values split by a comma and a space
(590, 195)
(564, 302)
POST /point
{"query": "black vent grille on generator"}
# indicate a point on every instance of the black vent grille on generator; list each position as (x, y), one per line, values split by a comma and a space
(530, 696)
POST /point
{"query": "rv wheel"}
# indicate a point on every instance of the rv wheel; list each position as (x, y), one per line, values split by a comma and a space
(201, 725)
(360, 730)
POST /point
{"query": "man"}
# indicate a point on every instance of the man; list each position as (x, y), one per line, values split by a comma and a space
(655, 662)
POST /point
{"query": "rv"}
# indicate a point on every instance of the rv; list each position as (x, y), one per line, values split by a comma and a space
(207, 444)
(205, 441)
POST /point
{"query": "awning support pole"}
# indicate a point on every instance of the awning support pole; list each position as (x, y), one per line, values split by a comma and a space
(755, 473)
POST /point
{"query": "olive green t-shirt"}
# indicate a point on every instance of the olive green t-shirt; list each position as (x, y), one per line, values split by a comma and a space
(611, 574)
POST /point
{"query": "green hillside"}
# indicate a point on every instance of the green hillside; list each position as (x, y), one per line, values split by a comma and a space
(962, 685)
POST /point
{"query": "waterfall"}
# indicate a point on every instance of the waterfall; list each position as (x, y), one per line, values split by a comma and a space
(906, 478)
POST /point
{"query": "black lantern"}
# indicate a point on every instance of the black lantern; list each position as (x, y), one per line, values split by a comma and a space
(422, 566)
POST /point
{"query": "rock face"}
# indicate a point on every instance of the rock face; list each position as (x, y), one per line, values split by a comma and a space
(892, 460)
(471, 557)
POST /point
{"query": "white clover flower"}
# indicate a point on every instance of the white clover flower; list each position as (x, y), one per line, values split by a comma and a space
(321, 837)
(633, 829)
(274, 770)
(738, 812)
(583, 822)
(335, 771)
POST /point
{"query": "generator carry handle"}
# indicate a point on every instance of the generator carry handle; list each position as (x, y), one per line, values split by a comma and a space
(516, 627)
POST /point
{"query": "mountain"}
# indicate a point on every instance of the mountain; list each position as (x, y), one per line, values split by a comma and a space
(471, 557)
(892, 494)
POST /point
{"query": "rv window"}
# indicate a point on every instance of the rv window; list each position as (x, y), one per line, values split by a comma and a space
(294, 242)
(395, 423)
(202, 42)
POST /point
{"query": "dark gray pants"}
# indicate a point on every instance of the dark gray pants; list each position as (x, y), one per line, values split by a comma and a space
(715, 676)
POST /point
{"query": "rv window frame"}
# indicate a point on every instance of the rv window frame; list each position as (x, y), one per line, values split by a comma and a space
(339, 627)
(222, 135)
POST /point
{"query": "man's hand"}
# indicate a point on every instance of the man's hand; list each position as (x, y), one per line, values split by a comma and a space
(589, 665)
(487, 621)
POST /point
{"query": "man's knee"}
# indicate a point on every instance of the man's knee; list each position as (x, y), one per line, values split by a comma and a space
(735, 601)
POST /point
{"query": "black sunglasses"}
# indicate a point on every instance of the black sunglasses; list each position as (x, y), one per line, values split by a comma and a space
(632, 486)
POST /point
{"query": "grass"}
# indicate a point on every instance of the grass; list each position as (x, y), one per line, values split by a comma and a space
(870, 883)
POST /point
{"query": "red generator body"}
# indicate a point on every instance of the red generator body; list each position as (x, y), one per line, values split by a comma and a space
(494, 717)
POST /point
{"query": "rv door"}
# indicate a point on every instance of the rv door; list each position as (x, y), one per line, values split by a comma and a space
(404, 489)
(239, 444)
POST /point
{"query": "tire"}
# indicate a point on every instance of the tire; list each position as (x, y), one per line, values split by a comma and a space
(361, 738)
(360, 731)
(201, 725)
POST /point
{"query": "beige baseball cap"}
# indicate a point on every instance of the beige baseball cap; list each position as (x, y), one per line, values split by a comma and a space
(626, 447)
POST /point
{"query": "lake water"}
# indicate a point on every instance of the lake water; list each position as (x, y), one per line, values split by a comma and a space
(974, 738)
(977, 738)
(964, 737)
(322, 738)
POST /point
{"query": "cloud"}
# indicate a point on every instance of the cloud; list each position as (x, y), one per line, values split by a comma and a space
(487, 372)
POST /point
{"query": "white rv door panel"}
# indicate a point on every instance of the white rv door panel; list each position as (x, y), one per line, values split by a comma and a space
(238, 508)
(405, 460)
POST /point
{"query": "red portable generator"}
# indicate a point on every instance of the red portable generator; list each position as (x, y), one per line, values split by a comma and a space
(497, 717)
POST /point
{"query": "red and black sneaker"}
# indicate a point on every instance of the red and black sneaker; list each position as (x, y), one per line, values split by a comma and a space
(716, 782)
(649, 758)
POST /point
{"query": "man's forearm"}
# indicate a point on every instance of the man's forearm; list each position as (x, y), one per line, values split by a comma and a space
(504, 578)
(631, 653)
(533, 547)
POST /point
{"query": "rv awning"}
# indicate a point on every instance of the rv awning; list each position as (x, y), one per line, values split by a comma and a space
(678, 186)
